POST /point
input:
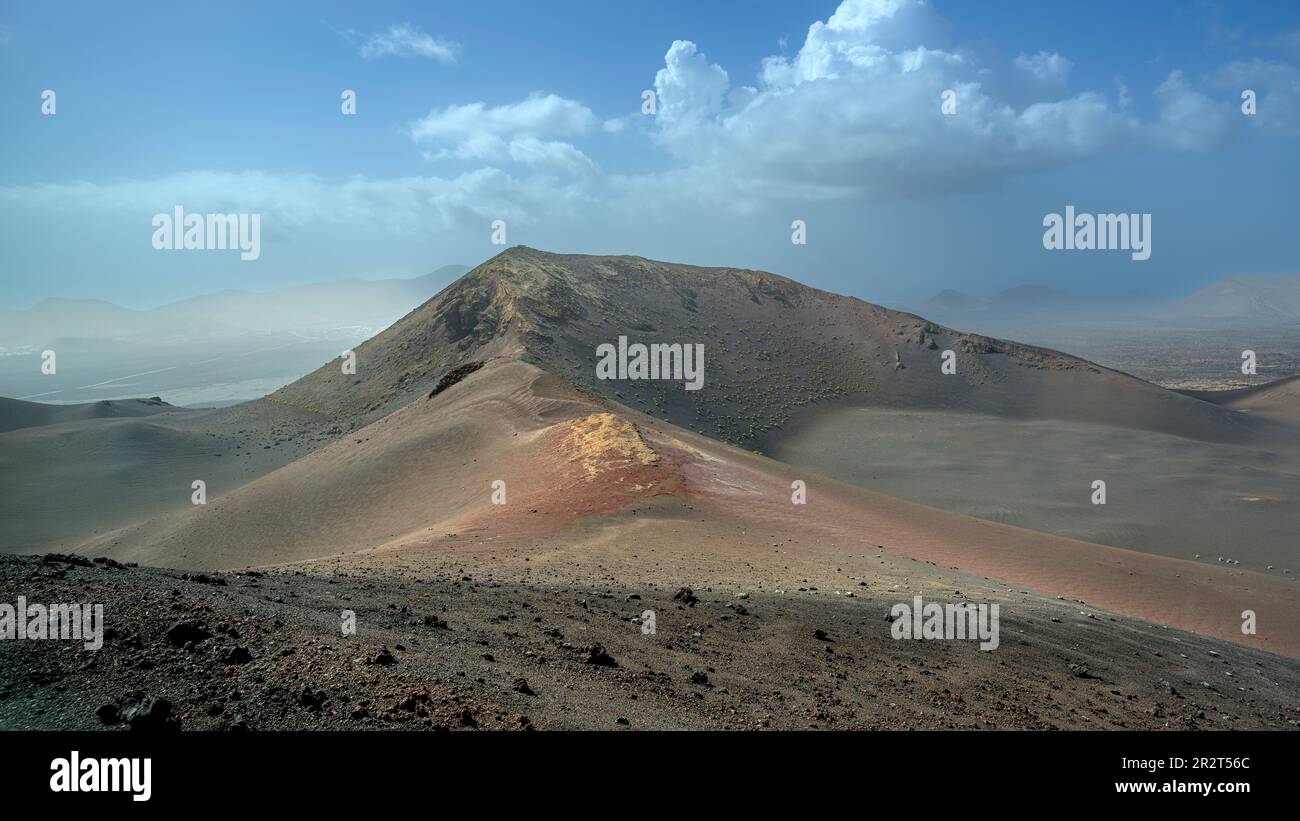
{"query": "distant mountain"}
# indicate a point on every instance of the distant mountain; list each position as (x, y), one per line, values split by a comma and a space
(950, 301)
(56, 317)
(1038, 297)
(1244, 297)
(366, 305)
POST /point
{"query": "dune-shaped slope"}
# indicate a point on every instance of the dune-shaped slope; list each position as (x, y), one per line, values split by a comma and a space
(773, 348)
(1279, 399)
(62, 482)
(602, 479)
(16, 414)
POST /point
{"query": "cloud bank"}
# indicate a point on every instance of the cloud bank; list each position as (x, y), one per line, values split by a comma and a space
(856, 113)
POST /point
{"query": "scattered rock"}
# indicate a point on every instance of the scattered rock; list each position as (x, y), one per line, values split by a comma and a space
(236, 655)
(520, 685)
(148, 713)
(67, 558)
(384, 657)
(186, 631)
(313, 700)
(204, 578)
(596, 655)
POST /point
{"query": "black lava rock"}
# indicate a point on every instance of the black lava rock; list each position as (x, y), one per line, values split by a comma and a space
(187, 630)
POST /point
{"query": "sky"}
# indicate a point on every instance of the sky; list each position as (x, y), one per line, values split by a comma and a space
(532, 113)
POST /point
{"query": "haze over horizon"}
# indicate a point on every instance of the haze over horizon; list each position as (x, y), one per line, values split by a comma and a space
(823, 112)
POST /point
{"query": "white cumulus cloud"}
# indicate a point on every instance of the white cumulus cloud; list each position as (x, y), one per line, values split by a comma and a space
(519, 132)
(857, 110)
(1047, 66)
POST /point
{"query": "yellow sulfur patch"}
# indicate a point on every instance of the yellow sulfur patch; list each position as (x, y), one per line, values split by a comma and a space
(603, 441)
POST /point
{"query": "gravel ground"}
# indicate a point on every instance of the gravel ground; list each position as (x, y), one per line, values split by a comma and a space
(439, 648)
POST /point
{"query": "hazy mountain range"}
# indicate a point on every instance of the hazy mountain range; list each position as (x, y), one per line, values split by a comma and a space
(367, 306)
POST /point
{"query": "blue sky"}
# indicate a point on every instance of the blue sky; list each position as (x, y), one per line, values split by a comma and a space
(530, 112)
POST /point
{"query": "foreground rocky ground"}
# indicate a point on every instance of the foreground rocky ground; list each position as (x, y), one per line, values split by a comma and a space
(450, 647)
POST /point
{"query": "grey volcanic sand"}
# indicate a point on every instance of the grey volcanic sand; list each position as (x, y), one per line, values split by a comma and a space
(16, 414)
(1166, 495)
(64, 481)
